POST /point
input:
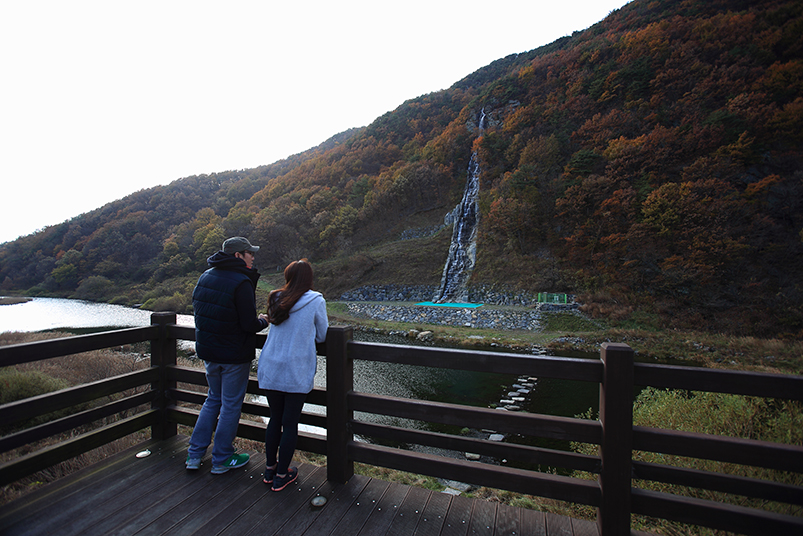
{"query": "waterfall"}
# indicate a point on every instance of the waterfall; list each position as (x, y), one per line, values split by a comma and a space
(463, 248)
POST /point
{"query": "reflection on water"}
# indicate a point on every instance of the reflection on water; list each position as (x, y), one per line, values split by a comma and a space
(41, 314)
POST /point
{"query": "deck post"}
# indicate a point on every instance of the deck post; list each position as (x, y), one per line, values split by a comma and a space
(616, 418)
(163, 354)
(339, 383)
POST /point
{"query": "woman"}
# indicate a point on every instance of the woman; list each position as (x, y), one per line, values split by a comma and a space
(287, 366)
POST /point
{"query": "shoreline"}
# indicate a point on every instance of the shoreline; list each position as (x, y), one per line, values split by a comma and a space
(13, 300)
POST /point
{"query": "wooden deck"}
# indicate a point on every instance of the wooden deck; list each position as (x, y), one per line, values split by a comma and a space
(157, 495)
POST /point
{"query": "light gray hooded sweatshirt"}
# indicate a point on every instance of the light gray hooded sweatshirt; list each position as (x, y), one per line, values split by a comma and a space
(288, 359)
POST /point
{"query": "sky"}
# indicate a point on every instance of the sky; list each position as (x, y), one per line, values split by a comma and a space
(100, 99)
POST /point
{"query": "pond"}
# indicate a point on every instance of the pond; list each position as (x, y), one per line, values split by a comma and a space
(548, 396)
(47, 314)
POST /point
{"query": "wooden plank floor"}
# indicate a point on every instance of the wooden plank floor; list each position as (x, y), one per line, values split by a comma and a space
(157, 495)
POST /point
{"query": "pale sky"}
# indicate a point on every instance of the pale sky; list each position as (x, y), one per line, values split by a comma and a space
(102, 98)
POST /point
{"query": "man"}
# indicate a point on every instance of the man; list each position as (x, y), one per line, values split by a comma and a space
(226, 324)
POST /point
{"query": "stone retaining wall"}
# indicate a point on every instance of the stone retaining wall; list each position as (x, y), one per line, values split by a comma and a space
(449, 316)
(416, 293)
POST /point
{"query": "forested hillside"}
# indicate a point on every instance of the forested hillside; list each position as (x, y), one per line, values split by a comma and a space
(651, 164)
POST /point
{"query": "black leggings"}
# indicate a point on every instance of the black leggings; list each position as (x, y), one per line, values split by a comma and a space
(282, 433)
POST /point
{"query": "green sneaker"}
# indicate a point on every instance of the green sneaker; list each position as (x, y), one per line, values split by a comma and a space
(233, 462)
(193, 463)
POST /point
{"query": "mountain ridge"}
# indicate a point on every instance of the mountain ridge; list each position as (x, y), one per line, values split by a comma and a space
(650, 163)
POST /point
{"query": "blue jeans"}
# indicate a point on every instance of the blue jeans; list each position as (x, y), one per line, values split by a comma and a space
(220, 413)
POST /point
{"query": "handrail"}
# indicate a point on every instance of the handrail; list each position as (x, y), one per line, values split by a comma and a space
(548, 426)
(566, 368)
(534, 455)
(721, 448)
(755, 487)
(15, 354)
(612, 493)
(722, 516)
(36, 406)
(517, 480)
(735, 382)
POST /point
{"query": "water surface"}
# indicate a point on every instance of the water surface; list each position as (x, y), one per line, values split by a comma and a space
(44, 314)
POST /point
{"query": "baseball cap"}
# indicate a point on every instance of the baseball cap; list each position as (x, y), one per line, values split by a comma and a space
(238, 243)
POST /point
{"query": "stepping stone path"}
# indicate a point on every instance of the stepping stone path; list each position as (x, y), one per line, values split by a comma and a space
(514, 398)
(523, 387)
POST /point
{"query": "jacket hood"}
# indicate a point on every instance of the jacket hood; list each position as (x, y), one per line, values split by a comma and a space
(226, 261)
(305, 299)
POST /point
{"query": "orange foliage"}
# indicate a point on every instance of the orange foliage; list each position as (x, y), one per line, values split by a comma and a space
(658, 152)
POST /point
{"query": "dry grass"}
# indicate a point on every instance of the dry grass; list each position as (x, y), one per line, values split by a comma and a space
(85, 367)
(532, 502)
(19, 337)
(74, 370)
(407, 262)
(711, 350)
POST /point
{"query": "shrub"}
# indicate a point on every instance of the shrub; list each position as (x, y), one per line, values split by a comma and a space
(94, 288)
(171, 295)
(21, 384)
(18, 385)
(36, 290)
(177, 302)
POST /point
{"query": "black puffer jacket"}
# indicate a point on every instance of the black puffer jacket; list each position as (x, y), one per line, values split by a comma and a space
(224, 305)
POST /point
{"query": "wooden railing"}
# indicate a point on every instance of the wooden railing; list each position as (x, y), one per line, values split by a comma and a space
(161, 405)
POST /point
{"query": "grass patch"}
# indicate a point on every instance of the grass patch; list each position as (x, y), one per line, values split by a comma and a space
(778, 421)
(267, 284)
(558, 322)
(392, 475)
(405, 262)
(447, 335)
(337, 309)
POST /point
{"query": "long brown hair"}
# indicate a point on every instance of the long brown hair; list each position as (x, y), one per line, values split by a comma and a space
(298, 280)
